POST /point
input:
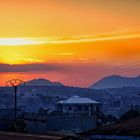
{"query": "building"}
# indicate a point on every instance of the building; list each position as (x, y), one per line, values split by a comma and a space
(41, 124)
(7, 117)
(75, 114)
(78, 105)
(9, 113)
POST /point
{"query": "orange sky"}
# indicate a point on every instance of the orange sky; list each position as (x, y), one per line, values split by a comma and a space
(76, 42)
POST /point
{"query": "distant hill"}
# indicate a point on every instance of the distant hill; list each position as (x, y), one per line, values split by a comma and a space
(42, 82)
(116, 81)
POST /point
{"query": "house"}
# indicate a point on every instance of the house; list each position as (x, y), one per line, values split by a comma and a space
(75, 114)
(78, 105)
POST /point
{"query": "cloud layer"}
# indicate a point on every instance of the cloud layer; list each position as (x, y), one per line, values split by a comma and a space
(29, 67)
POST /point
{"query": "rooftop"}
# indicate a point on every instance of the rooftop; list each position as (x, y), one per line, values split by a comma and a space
(78, 100)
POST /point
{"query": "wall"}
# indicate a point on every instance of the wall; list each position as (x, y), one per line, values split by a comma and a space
(61, 123)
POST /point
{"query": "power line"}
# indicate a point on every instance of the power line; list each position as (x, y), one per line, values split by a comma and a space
(119, 69)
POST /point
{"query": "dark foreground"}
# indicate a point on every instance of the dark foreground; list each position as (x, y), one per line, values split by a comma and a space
(49, 136)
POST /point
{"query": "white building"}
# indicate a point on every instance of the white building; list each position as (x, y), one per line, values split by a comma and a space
(78, 105)
(68, 117)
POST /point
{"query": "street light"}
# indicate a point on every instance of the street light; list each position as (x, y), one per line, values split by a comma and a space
(15, 83)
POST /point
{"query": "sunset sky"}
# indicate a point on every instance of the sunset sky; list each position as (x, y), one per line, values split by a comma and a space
(76, 42)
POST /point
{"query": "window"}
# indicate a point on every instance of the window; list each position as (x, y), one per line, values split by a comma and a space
(70, 108)
(86, 108)
(44, 121)
(79, 108)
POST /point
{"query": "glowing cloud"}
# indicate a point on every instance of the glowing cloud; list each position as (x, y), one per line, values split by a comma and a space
(67, 40)
(20, 41)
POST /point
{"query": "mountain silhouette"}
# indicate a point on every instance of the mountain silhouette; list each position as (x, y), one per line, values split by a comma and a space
(116, 81)
(43, 82)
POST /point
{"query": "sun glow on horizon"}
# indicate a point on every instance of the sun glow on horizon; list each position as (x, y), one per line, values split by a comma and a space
(60, 39)
(66, 49)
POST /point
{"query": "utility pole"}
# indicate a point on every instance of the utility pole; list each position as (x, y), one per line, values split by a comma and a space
(15, 83)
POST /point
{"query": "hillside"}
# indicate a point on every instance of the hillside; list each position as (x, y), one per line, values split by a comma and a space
(116, 81)
(42, 82)
(130, 127)
(114, 101)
